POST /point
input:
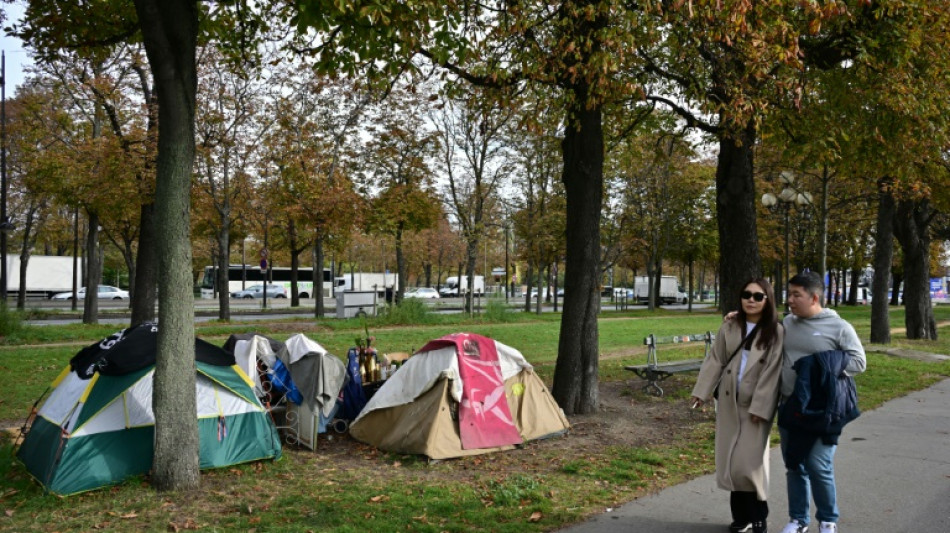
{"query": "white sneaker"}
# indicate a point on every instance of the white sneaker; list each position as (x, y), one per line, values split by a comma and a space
(827, 527)
(794, 526)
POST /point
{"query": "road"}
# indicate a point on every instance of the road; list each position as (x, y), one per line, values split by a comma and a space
(250, 309)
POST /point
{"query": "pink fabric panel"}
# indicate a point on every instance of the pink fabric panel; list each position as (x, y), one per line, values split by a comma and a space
(484, 418)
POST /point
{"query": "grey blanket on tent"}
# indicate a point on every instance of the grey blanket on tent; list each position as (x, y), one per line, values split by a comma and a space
(319, 377)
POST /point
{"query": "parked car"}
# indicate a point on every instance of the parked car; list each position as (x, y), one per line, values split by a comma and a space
(106, 292)
(422, 292)
(257, 291)
(445, 291)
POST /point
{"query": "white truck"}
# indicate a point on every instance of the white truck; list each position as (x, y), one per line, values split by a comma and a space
(367, 281)
(46, 275)
(453, 287)
(670, 292)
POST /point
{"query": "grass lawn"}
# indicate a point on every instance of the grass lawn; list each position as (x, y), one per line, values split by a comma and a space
(377, 491)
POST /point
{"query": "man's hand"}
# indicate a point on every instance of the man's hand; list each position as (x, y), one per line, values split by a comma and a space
(756, 419)
(695, 402)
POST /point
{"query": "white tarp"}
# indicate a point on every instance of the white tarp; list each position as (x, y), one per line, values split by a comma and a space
(421, 371)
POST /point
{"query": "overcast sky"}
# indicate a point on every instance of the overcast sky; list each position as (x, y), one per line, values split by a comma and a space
(16, 57)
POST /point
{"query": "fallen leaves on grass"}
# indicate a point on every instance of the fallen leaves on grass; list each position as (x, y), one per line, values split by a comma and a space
(188, 523)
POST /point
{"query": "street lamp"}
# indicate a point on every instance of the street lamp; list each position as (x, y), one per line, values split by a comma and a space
(789, 196)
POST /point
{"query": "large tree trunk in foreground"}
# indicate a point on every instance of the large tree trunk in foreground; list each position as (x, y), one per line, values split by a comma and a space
(912, 228)
(576, 374)
(169, 30)
(735, 214)
(883, 255)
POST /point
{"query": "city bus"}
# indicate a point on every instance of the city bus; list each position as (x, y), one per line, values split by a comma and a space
(243, 276)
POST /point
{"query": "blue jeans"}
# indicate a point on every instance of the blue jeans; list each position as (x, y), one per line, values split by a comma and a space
(816, 475)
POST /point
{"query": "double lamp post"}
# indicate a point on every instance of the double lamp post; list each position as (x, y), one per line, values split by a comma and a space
(789, 196)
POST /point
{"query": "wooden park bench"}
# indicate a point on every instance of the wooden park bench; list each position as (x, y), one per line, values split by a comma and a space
(654, 371)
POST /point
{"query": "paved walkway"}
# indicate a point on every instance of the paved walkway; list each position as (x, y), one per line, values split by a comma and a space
(893, 473)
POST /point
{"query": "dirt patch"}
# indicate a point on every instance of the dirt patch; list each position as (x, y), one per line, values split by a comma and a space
(628, 417)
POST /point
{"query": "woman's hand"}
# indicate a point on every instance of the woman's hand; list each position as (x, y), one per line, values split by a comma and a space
(731, 315)
(695, 402)
(756, 419)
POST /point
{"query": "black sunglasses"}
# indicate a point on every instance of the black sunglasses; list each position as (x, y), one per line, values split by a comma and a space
(749, 295)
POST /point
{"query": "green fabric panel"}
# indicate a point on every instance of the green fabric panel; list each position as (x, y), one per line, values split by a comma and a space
(103, 459)
(40, 449)
(250, 437)
(229, 379)
(107, 389)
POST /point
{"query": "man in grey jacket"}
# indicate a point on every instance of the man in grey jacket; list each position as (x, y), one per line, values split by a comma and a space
(809, 329)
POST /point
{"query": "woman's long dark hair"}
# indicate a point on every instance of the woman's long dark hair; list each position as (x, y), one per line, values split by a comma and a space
(767, 330)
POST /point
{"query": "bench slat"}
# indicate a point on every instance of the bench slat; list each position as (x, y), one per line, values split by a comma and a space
(673, 366)
(654, 371)
(677, 339)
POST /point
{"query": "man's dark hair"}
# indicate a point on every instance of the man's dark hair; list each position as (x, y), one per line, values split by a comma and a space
(810, 281)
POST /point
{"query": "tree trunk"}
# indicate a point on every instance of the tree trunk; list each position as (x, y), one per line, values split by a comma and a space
(576, 373)
(400, 267)
(823, 223)
(169, 30)
(294, 265)
(90, 306)
(223, 273)
(883, 255)
(527, 294)
(295, 276)
(735, 203)
(29, 230)
(897, 281)
(830, 288)
(912, 228)
(689, 294)
(651, 273)
(21, 294)
(318, 260)
(471, 257)
(551, 283)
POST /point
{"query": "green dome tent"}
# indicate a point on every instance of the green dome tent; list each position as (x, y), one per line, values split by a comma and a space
(97, 427)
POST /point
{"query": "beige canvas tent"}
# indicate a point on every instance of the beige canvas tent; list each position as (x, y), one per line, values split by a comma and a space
(416, 410)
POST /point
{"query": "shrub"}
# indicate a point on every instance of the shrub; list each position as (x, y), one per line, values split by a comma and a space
(497, 311)
(408, 311)
(11, 321)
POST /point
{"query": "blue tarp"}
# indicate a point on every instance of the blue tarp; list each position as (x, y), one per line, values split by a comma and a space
(354, 399)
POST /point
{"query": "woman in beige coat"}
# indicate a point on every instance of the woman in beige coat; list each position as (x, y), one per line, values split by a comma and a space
(748, 380)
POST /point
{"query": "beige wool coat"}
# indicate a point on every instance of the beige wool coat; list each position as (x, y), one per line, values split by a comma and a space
(742, 462)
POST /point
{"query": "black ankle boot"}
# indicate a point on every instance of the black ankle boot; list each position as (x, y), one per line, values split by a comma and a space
(760, 527)
(738, 526)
